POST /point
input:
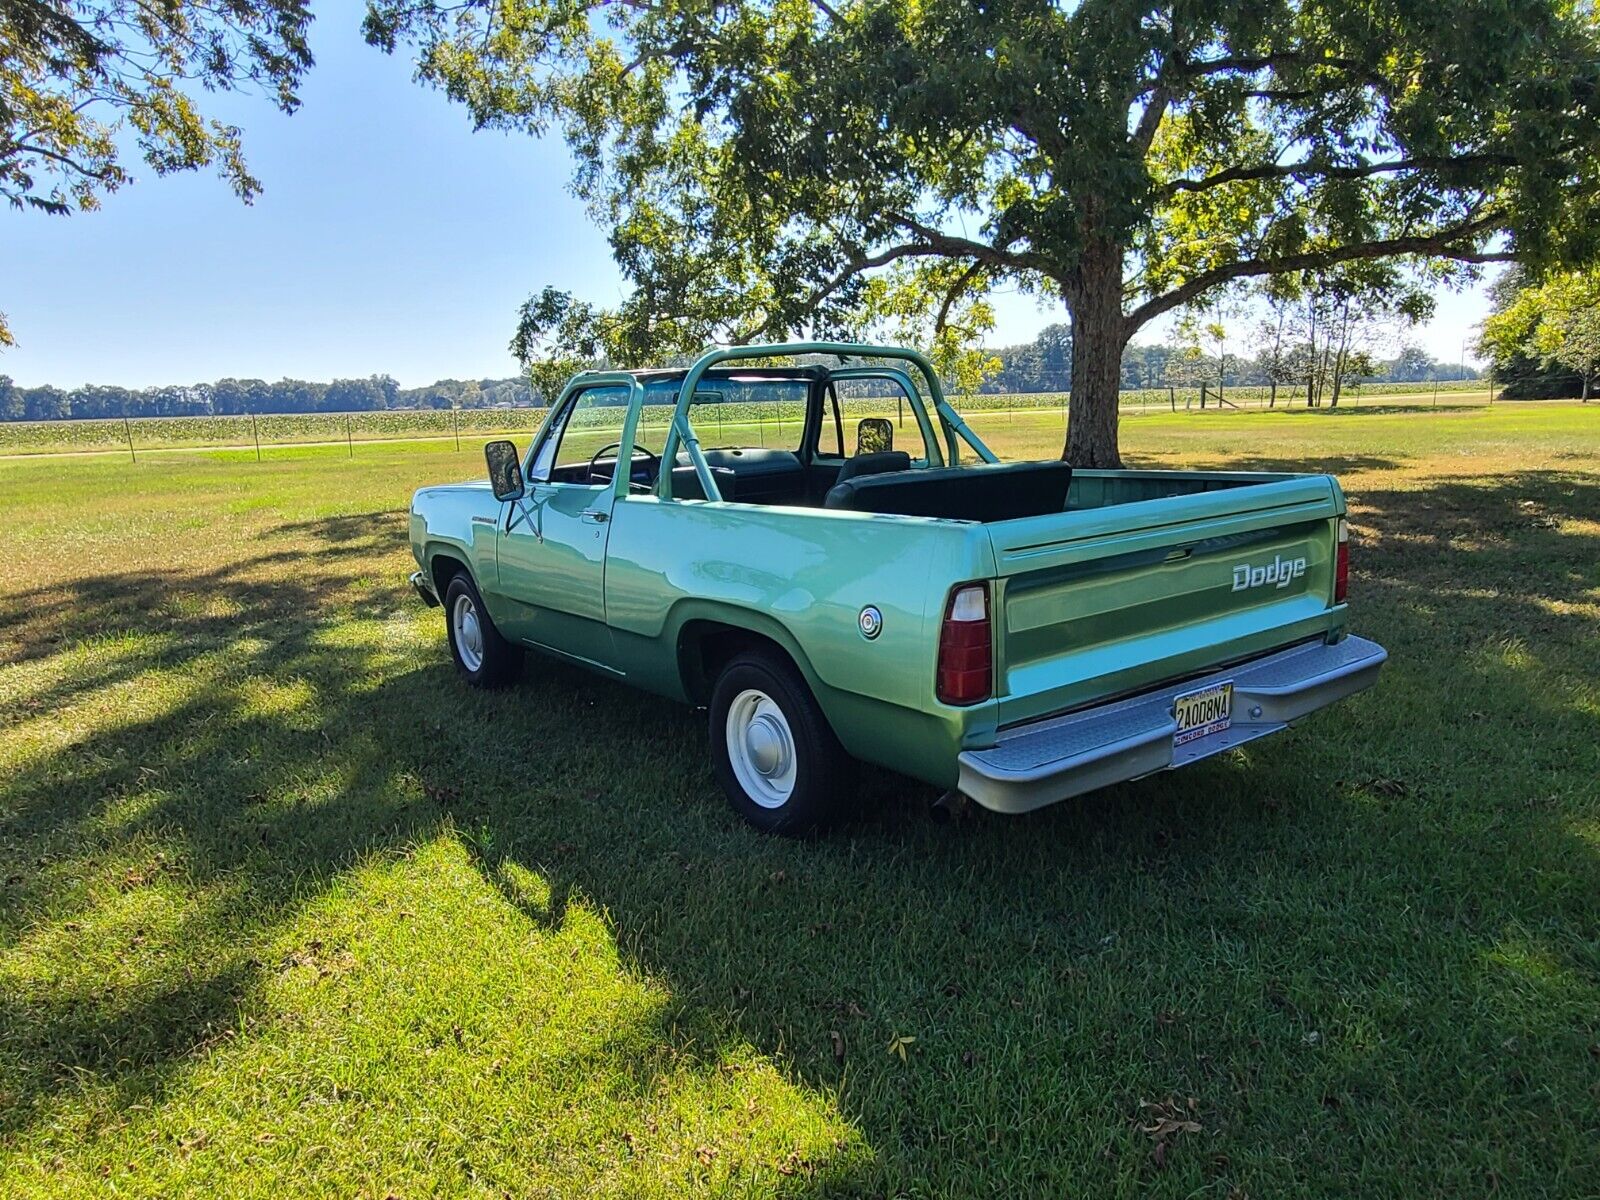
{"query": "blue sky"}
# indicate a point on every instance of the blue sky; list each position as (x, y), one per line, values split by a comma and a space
(390, 238)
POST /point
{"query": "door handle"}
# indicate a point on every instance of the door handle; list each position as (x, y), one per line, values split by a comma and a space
(595, 516)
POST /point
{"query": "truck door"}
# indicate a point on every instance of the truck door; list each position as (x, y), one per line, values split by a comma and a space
(552, 547)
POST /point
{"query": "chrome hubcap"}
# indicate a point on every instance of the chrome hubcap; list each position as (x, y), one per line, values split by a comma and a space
(468, 631)
(761, 748)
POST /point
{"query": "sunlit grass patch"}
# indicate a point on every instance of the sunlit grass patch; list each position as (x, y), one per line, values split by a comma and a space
(415, 1006)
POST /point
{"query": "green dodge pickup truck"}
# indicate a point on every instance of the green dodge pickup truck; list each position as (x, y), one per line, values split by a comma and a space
(1013, 633)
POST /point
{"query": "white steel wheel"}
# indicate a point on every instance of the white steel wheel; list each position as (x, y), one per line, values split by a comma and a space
(468, 630)
(761, 748)
(483, 657)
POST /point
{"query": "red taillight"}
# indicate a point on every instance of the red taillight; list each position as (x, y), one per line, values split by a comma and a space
(966, 656)
(1341, 563)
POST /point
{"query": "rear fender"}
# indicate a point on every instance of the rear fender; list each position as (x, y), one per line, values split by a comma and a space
(921, 744)
(692, 621)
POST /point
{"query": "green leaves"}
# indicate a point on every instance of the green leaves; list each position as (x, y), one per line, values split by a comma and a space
(1556, 322)
(793, 167)
(75, 77)
(557, 337)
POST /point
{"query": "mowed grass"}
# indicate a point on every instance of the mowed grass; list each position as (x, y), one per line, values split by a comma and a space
(287, 910)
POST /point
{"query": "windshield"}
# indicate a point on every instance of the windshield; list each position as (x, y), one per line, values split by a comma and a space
(737, 413)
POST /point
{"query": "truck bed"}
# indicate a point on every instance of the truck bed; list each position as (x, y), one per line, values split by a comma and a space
(992, 492)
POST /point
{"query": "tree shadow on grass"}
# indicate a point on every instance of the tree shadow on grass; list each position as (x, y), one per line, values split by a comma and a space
(1337, 464)
(1319, 939)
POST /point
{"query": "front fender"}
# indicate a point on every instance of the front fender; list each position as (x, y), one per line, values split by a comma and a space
(459, 523)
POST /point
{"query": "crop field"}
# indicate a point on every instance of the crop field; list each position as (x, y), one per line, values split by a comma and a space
(472, 426)
(286, 910)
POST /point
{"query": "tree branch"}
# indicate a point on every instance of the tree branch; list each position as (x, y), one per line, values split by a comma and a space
(855, 265)
(1426, 162)
(1445, 243)
(1253, 64)
(1150, 120)
(953, 246)
(104, 173)
(954, 294)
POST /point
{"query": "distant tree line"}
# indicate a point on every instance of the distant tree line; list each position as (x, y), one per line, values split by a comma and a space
(228, 397)
(1045, 365)
(1042, 365)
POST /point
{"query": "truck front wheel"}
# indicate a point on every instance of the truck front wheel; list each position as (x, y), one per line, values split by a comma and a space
(484, 658)
(776, 757)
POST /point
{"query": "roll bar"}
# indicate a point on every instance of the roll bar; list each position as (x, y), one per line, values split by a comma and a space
(681, 431)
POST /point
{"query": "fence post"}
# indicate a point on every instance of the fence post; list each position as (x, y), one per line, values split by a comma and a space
(455, 414)
(127, 430)
(349, 436)
(257, 436)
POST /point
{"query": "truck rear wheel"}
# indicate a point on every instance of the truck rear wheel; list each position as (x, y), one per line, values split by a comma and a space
(775, 755)
(484, 658)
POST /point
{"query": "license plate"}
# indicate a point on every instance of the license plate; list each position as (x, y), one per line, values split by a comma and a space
(1203, 712)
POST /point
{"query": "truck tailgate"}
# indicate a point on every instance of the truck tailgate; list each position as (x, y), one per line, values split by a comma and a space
(1098, 602)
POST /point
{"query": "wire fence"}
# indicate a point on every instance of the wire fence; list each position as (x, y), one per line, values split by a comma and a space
(760, 424)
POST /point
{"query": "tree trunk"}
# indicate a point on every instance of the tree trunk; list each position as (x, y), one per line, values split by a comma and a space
(1344, 350)
(1311, 351)
(1099, 335)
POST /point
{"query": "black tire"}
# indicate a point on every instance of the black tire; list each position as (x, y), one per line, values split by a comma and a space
(823, 774)
(497, 661)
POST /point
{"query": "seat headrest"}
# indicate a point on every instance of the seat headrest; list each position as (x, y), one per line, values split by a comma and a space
(982, 492)
(881, 463)
(686, 483)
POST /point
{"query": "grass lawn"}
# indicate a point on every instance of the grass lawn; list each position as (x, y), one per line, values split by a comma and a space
(285, 910)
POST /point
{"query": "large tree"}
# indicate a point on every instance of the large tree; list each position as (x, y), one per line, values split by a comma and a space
(83, 82)
(755, 162)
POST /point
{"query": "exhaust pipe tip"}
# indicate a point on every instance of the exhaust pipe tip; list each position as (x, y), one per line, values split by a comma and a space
(951, 806)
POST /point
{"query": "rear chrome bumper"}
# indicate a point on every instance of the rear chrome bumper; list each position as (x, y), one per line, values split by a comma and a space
(424, 588)
(1060, 757)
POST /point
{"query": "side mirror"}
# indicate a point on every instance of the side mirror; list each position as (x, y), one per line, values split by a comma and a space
(505, 470)
(874, 435)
